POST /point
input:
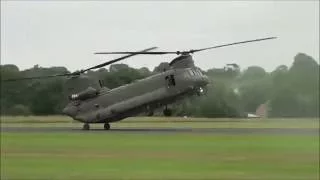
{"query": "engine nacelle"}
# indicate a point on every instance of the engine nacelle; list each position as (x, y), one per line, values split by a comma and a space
(86, 94)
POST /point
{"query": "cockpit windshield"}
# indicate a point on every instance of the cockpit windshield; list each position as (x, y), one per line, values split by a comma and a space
(194, 72)
(191, 72)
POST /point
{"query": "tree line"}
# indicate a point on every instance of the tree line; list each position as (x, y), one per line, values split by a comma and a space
(285, 92)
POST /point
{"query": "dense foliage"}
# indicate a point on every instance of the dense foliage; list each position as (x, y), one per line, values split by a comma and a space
(287, 91)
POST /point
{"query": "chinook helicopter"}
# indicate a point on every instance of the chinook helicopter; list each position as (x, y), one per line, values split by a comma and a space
(90, 102)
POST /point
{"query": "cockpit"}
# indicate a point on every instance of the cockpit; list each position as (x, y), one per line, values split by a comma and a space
(195, 72)
(196, 77)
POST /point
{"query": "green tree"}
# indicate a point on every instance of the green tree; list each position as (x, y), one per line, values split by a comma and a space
(19, 109)
(47, 98)
(296, 90)
(254, 88)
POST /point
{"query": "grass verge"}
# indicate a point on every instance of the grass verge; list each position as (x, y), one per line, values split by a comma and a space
(157, 156)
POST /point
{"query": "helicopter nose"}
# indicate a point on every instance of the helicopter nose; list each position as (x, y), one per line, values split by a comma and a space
(202, 81)
(70, 111)
(205, 80)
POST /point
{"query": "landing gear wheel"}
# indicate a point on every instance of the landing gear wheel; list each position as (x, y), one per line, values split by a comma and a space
(106, 126)
(86, 126)
(167, 112)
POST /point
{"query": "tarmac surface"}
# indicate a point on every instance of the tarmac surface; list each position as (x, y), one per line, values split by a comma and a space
(285, 131)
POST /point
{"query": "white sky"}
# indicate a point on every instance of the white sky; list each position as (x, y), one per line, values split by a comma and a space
(67, 34)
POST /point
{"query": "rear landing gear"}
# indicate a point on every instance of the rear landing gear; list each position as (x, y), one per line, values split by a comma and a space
(86, 126)
(106, 126)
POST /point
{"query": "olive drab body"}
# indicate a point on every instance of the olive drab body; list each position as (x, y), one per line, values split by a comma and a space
(142, 95)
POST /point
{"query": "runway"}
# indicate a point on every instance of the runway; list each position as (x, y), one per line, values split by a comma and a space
(284, 131)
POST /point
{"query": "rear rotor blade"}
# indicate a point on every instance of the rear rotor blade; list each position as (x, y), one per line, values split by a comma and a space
(132, 52)
(78, 72)
(118, 59)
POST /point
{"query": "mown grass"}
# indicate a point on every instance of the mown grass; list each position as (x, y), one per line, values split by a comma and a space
(158, 122)
(119, 155)
(35, 119)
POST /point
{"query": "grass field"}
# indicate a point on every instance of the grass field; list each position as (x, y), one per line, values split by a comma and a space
(49, 121)
(123, 155)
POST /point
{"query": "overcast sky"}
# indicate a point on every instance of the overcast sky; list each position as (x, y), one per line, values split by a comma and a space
(68, 33)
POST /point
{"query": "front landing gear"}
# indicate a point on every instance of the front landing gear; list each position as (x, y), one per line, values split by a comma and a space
(106, 126)
(86, 126)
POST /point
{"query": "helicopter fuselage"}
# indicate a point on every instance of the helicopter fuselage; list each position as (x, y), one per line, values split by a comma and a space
(142, 95)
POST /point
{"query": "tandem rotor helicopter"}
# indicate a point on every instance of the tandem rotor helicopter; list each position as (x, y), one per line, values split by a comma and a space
(90, 102)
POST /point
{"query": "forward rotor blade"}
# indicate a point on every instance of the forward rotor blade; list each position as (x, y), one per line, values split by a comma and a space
(118, 59)
(231, 44)
(186, 52)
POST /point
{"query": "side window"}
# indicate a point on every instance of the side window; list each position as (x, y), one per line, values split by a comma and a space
(170, 80)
